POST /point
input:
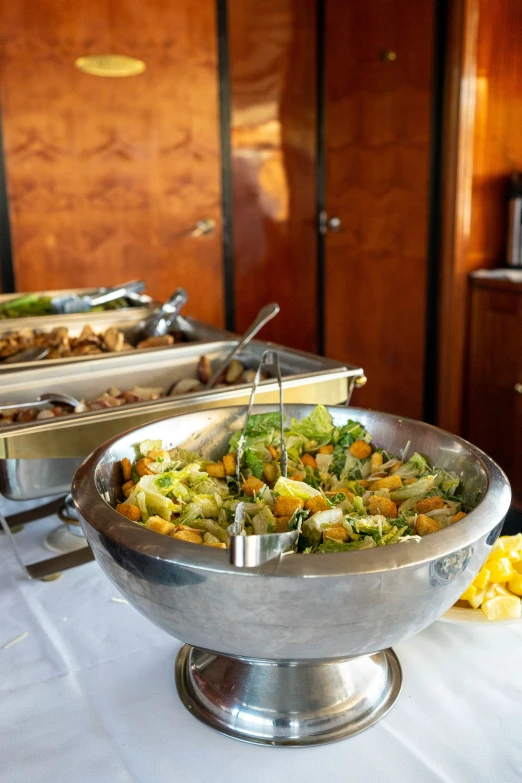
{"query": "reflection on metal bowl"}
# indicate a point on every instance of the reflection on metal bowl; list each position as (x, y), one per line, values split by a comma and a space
(290, 636)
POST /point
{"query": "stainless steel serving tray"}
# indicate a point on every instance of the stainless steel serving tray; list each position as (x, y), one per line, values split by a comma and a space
(39, 458)
(192, 330)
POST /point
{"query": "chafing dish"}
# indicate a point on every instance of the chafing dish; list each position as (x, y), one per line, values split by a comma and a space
(39, 458)
(141, 302)
(296, 651)
(191, 330)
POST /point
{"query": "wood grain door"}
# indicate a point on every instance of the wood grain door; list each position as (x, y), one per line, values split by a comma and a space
(379, 59)
(107, 177)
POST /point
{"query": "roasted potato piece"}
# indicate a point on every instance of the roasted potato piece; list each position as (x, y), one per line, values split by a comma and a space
(126, 469)
(429, 504)
(113, 339)
(230, 463)
(424, 525)
(376, 461)
(127, 488)
(192, 536)
(285, 507)
(326, 449)
(130, 511)
(360, 449)
(252, 486)
(384, 506)
(160, 525)
(389, 482)
(318, 503)
(309, 461)
(456, 517)
(204, 369)
(234, 371)
(155, 342)
(270, 472)
(335, 533)
(142, 467)
(186, 385)
(281, 524)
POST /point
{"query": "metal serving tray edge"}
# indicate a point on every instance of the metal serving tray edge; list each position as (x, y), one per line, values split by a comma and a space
(39, 459)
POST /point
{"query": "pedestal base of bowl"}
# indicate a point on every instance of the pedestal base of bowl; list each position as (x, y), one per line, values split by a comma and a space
(287, 702)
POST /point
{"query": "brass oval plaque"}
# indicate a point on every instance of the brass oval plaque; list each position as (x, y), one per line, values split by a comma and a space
(114, 65)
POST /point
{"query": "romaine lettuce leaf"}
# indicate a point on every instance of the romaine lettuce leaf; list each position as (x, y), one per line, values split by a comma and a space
(318, 426)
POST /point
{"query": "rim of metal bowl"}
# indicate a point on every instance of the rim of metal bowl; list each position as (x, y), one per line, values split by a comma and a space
(107, 521)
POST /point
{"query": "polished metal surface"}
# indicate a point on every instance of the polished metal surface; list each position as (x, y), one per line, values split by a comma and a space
(297, 608)
(43, 399)
(287, 703)
(265, 315)
(253, 551)
(66, 304)
(29, 355)
(160, 321)
(39, 458)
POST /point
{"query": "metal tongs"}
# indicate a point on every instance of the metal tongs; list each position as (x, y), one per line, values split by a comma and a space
(251, 551)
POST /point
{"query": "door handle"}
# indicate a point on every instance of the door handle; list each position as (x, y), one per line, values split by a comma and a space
(327, 224)
(203, 227)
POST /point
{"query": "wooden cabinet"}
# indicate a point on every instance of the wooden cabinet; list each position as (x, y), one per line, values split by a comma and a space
(494, 394)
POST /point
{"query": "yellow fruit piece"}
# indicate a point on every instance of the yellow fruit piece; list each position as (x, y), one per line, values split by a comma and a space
(477, 599)
(515, 584)
(468, 594)
(500, 570)
(482, 578)
(502, 607)
(518, 567)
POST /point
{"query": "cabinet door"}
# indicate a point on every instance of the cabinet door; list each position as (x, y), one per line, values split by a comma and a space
(494, 411)
(107, 177)
(379, 64)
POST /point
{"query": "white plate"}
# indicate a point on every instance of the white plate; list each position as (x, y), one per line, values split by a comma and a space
(459, 615)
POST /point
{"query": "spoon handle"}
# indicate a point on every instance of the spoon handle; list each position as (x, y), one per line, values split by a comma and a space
(265, 315)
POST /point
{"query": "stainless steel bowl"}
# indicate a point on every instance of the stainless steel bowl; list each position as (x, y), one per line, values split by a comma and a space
(296, 651)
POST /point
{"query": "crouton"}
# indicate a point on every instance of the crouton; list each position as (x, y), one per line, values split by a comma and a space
(326, 449)
(215, 469)
(230, 463)
(285, 507)
(158, 454)
(273, 452)
(270, 472)
(409, 481)
(376, 461)
(456, 518)
(397, 466)
(335, 533)
(191, 536)
(126, 469)
(424, 525)
(142, 467)
(252, 486)
(341, 491)
(318, 503)
(160, 525)
(281, 524)
(309, 461)
(130, 511)
(429, 504)
(384, 506)
(389, 482)
(360, 449)
(298, 476)
(127, 488)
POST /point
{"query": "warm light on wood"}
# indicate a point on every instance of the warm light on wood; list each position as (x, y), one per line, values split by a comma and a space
(112, 65)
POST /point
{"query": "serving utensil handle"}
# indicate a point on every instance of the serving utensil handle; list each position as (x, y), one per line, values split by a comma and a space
(265, 315)
(117, 292)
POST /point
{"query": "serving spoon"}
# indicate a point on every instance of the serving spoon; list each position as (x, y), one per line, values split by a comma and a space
(44, 399)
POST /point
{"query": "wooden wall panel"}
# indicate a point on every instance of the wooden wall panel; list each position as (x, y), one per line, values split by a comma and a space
(378, 133)
(107, 176)
(273, 84)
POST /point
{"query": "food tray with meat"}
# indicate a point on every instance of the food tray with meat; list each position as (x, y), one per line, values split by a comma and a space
(82, 337)
(38, 458)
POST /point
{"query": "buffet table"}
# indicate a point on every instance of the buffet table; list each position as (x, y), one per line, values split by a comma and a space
(87, 693)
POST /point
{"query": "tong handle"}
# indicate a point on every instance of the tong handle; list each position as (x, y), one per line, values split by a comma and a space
(269, 357)
(117, 292)
(168, 312)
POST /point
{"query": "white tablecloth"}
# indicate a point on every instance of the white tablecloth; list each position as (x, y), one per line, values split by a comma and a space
(88, 696)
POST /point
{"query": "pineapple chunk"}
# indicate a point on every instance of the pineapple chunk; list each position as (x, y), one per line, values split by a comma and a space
(482, 578)
(515, 584)
(500, 570)
(502, 607)
(468, 594)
